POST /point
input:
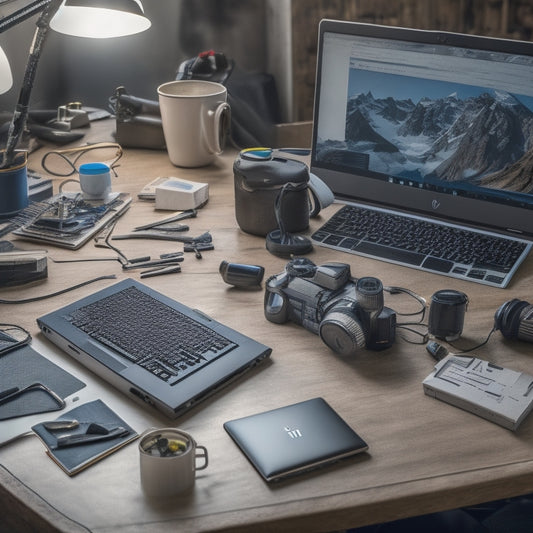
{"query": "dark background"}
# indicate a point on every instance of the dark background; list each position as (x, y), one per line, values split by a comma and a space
(275, 36)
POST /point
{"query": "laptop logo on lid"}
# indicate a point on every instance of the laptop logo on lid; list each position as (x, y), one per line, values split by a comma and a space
(293, 433)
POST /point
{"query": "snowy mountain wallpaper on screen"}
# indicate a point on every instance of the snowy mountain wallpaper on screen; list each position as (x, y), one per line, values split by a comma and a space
(434, 132)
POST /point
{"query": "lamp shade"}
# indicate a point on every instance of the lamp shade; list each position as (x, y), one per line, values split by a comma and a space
(100, 19)
(6, 79)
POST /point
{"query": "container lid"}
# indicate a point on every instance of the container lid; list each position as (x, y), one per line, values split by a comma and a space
(450, 297)
(94, 168)
(272, 173)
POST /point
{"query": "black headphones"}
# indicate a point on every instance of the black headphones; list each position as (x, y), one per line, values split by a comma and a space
(508, 318)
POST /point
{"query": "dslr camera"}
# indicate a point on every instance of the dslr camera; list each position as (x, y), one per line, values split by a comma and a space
(347, 314)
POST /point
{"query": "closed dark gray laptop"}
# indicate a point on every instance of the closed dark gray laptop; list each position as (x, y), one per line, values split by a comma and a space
(151, 347)
(294, 439)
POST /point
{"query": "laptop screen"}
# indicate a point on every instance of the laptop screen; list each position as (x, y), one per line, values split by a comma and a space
(432, 123)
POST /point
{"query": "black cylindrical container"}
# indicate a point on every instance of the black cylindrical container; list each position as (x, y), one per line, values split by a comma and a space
(447, 314)
(241, 275)
(257, 185)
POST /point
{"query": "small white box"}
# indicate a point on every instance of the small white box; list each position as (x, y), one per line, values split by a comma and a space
(176, 194)
(498, 394)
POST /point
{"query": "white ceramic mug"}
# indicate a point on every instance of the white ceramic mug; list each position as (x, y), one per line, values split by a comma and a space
(95, 181)
(196, 117)
(168, 462)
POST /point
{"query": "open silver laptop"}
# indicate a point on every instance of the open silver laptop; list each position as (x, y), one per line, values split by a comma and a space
(431, 127)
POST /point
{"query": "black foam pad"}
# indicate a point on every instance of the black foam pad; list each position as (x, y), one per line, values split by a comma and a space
(286, 244)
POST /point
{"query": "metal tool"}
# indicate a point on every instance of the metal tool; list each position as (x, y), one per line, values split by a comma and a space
(189, 213)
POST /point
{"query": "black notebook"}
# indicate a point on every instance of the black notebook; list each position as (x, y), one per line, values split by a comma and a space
(73, 458)
(294, 439)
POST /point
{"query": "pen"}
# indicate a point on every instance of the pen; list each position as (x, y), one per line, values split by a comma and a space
(190, 213)
(8, 392)
(160, 271)
(85, 438)
(154, 263)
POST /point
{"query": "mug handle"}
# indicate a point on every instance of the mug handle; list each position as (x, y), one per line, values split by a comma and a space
(201, 455)
(218, 126)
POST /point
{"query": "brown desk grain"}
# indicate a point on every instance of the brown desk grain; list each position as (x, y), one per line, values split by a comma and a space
(424, 455)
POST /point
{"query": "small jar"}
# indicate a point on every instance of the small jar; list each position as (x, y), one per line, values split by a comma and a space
(95, 181)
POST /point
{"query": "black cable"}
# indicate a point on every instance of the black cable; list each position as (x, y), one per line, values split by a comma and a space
(17, 342)
(62, 291)
(412, 294)
(474, 347)
(406, 326)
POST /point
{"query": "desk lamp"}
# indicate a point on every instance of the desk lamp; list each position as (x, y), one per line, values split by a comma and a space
(82, 18)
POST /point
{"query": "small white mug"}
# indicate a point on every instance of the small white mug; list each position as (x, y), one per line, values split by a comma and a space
(195, 117)
(95, 181)
(168, 462)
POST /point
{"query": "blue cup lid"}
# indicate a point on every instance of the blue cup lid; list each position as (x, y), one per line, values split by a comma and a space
(94, 168)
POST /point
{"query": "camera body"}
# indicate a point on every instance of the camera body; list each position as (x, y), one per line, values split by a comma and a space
(347, 314)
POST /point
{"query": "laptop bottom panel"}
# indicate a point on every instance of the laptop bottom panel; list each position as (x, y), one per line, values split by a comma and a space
(178, 358)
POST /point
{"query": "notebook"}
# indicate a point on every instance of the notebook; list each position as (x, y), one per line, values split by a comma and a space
(76, 457)
(151, 347)
(428, 124)
(295, 439)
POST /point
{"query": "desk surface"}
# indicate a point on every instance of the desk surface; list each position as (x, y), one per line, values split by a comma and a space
(424, 455)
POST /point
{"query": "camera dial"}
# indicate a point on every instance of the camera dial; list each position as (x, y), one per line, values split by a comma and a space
(302, 267)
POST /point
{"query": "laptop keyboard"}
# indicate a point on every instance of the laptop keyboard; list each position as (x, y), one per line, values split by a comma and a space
(151, 334)
(417, 243)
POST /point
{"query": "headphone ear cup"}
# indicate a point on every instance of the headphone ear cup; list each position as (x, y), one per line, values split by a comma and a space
(287, 244)
(507, 318)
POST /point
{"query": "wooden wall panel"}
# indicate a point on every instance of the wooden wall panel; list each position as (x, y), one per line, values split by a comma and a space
(502, 18)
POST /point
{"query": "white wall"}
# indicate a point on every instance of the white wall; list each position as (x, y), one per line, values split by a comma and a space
(279, 58)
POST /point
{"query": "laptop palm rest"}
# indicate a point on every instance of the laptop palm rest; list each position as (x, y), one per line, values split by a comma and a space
(105, 357)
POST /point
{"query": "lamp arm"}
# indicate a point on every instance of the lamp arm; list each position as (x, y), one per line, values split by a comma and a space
(18, 123)
(22, 14)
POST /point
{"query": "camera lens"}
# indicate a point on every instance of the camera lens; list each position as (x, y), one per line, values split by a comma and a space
(369, 292)
(342, 332)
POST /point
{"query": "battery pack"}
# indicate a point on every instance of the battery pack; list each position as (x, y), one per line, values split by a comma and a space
(176, 194)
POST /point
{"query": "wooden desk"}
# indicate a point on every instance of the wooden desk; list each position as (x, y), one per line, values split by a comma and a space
(424, 455)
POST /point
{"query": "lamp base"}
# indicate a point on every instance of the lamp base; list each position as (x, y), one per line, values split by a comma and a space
(14, 186)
